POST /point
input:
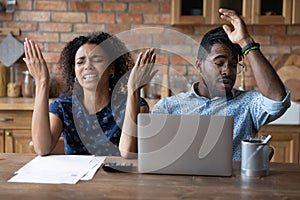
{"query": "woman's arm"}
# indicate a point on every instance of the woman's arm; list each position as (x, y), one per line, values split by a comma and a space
(44, 136)
(140, 75)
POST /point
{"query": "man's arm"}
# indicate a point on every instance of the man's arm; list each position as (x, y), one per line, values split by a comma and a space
(266, 77)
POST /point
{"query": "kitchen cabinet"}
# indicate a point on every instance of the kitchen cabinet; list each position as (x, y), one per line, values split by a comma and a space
(191, 12)
(272, 11)
(285, 141)
(16, 141)
(15, 126)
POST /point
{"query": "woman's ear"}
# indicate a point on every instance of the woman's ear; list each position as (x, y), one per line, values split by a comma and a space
(112, 70)
(198, 65)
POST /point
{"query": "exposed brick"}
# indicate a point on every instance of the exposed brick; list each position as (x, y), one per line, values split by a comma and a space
(148, 29)
(201, 30)
(183, 29)
(162, 60)
(293, 30)
(143, 8)
(114, 7)
(43, 37)
(117, 28)
(169, 39)
(270, 29)
(165, 8)
(130, 18)
(32, 16)
(196, 38)
(24, 5)
(101, 18)
(55, 27)
(275, 49)
(157, 18)
(85, 6)
(6, 16)
(136, 39)
(51, 5)
(262, 39)
(251, 29)
(51, 57)
(191, 59)
(54, 47)
(177, 70)
(87, 28)
(286, 39)
(178, 60)
(133, 0)
(52, 23)
(182, 50)
(161, 1)
(66, 37)
(24, 26)
(68, 17)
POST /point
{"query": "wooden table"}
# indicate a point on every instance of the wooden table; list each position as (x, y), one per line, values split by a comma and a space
(283, 183)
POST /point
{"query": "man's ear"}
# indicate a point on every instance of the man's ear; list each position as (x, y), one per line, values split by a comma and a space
(198, 65)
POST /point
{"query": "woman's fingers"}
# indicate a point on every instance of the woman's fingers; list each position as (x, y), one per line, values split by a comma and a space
(27, 50)
(39, 52)
(138, 60)
(143, 70)
(30, 49)
(149, 55)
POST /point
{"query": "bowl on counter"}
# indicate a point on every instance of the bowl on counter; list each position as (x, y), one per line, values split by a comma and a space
(291, 116)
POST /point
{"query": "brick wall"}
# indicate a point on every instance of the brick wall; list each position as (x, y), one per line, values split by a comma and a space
(51, 23)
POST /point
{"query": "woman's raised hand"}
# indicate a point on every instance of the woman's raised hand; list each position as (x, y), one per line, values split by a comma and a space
(35, 61)
(143, 70)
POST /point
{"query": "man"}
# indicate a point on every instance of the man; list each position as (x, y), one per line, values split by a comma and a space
(218, 58)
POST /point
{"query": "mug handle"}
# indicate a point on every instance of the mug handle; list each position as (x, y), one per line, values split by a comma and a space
(271, 152)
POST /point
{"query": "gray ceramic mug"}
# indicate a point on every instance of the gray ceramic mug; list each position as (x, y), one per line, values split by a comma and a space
(255, 158)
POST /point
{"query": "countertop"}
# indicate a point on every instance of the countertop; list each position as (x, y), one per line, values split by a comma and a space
(16, 103)
(291, 116)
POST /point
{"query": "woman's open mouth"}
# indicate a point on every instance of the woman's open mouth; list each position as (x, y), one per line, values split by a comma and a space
(89, 76)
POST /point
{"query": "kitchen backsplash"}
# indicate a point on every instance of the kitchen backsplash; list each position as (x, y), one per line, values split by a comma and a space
(52, 23)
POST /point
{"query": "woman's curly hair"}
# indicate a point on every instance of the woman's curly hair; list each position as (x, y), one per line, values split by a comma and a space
(117, 53)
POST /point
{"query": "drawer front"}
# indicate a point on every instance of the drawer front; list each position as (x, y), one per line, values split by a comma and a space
(15, 119)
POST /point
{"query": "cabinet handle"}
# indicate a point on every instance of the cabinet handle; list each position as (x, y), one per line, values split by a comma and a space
(7, 133)
(6, 119)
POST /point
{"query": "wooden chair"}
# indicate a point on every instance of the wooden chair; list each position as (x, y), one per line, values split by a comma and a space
(288, 69)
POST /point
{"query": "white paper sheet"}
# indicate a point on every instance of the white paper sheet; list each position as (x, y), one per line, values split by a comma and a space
(98, 161)
(56, 169)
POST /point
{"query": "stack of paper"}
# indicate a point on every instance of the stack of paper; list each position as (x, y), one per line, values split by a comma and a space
(56, 169)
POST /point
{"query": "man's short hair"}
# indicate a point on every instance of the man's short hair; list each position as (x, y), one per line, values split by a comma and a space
(217, 36)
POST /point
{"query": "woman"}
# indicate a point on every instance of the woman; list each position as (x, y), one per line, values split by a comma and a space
(96, 112)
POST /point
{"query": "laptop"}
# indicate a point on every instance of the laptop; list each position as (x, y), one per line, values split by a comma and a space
(185, 144)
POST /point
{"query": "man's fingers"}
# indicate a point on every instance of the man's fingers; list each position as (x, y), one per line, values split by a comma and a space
(227, 29)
